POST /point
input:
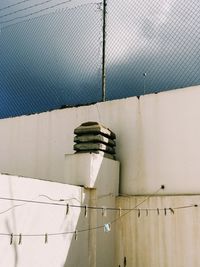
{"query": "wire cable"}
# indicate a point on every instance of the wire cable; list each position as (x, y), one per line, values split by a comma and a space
(32, 201)
(45, 235)
(146, 199)
(76, 231)
(36, 12)
(60, 200)
(11, 208)
(91, 228)
(12, 5)
(56, 202)
(25, 8)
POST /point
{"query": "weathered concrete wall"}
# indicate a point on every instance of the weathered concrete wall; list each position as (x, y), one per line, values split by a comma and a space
(169, 149)
(158, 240)
(35, 146)
(95, 171)
(92, 249)
(33, 219)
(157, 141)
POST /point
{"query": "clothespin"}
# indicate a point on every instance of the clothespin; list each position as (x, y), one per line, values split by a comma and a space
(76, 235)
(165, 211)
(67, 209)
(104, 212)
(20, 239)
(147, 212)
(172, 211)
(120, 212)
(125, 261)
(86, 211)
(46, 238)
(138, 213)
(158, 211)
(11, 239)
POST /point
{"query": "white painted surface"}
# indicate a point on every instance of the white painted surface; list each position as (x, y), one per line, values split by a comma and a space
(159, 241)
(34, 218)
(93, 248)
(169, 143)
(157, 141)
(92, 171)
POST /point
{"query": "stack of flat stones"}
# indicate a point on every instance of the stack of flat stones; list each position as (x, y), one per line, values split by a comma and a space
(92, 137)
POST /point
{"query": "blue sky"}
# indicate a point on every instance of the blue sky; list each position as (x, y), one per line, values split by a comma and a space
(53, 58)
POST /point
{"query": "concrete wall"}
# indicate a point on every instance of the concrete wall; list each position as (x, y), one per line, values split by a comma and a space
(157, 141)
(169, 143)
(40, 219)
(159, 240)
(95, 171)
(92, 249)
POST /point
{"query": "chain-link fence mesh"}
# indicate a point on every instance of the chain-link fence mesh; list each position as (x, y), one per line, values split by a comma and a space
(49, 60)
(152, 46)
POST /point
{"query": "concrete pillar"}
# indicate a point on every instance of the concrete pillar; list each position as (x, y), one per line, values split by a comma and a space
(92, 234)
(101, 176)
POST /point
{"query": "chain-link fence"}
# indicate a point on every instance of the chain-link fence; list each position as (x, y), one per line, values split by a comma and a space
(152, 46)
(52, 60)
(51, 51)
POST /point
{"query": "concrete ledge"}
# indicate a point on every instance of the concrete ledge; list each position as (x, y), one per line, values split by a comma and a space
(93, 171)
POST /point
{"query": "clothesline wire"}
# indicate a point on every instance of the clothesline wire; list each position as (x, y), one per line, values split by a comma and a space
(64, 233)
(91, 207)
(45, 235)
(139, 204)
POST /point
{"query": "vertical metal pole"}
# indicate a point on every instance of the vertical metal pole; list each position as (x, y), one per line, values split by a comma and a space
(104, 53)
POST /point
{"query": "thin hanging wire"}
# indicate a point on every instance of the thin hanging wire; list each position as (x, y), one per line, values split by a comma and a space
(146, 199)
(36, 12)
(26, 8)
(15, 4)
